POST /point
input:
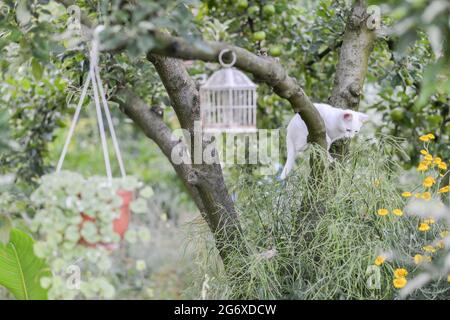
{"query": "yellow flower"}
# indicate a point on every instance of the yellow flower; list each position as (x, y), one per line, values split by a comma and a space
(406, 194)
(424, 138)
(448, 278)
(429, 248)
(444, 234)
(444, 189)
(383, 212)
(379, 260)
(377, 183)
(397, 212)
(424, 227)
(422, 167)
(437, 160)
(428, 157)
(418, 259)
(399, 282)
(426, 196)
(431, 136)
(424, 152)
(440, 244)
(400, 273)
(428, 182)
(429, 221)
(442, 166)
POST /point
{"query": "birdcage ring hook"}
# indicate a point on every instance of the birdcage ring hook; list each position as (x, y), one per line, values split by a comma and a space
(233, 60)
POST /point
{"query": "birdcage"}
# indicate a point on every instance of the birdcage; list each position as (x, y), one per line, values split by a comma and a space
(228, 100)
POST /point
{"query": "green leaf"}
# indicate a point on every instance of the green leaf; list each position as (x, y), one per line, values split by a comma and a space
(20, 269)
(147, 192)
(5, 229)
(36, 69)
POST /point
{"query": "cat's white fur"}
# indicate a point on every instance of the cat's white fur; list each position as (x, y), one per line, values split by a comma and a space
(339, 123)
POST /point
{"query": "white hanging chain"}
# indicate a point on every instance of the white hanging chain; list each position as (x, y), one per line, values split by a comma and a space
(73, 124)
(100, 123)
(110, 123)
(98, 93)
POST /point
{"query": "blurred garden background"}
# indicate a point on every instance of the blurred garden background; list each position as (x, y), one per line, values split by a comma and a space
(169, 252)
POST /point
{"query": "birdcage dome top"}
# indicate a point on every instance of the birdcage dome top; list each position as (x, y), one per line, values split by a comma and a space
(229, 78)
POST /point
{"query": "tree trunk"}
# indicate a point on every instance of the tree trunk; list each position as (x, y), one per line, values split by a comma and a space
(353, 62)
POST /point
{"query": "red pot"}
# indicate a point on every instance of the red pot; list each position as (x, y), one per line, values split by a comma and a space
(120, 224)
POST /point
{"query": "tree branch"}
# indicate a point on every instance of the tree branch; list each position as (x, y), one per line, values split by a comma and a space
(155, 129)
(263, 68)
(323, 53)
(180, 87)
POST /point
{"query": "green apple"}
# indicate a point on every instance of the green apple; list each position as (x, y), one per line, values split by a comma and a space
(397, 115)
(259, 36)
(269, 10)
(273, 28)
(242, 4)
(434, 120)
(275, 51)
(253, 10)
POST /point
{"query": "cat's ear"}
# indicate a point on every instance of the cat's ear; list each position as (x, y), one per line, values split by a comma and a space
(347, 115)
(363, 117)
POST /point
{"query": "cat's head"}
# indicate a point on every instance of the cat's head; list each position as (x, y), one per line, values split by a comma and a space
(352, 121)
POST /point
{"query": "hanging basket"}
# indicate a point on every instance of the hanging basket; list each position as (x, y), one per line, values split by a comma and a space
(228, 100)
(120, 224)
(86, 211)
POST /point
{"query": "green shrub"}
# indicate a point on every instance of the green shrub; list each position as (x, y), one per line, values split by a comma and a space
(309, 242)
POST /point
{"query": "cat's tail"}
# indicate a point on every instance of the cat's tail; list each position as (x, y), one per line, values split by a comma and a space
(290, 160)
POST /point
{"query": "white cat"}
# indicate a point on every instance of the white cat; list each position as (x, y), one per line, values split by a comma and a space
(339, 123)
